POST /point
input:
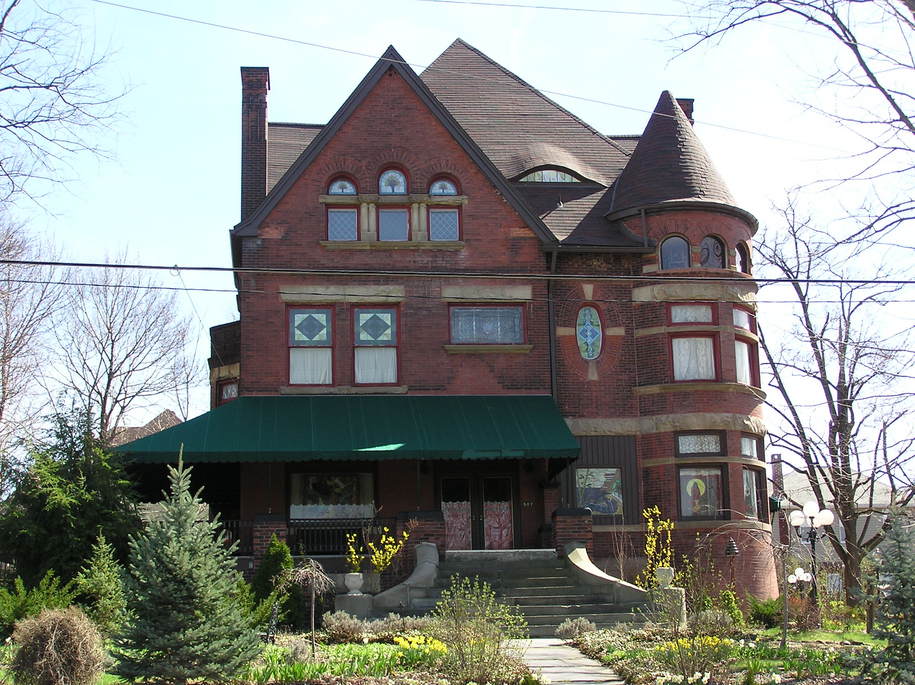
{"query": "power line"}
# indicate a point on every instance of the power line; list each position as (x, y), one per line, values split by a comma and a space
(499, 275)
(632, 13)
(462, 74)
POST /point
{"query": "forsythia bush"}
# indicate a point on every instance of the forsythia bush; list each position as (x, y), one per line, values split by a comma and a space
(659, 549)
(388, 547)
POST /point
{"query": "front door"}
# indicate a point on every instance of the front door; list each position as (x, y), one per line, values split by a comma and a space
(478, 512)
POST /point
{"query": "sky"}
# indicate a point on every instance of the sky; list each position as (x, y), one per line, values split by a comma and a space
(167, 192)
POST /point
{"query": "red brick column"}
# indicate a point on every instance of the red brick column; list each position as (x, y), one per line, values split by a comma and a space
(573, 524)
(265, 527)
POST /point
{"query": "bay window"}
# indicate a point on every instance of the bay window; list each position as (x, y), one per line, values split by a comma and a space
(693, 358)
(701, 492)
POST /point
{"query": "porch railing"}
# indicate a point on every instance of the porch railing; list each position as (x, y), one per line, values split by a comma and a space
(328, 536)
(240, 532)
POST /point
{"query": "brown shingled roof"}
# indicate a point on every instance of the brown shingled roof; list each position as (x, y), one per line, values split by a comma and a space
(285, 142)
(513, 122)
(668, 164)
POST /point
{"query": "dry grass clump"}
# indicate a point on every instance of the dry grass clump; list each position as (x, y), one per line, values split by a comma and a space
(57, 647)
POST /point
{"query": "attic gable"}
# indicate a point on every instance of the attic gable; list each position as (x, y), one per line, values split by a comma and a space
(390, 62)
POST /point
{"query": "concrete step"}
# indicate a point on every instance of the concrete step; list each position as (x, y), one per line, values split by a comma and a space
(570, 609)
(553, 600)
(598, 619)
(556, 590)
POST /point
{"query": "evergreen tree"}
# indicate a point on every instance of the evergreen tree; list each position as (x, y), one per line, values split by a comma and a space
(277, 562)
(101, 588)
(182, 593)
(896, 619)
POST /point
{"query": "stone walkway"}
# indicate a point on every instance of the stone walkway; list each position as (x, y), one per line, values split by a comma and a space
(564, 665)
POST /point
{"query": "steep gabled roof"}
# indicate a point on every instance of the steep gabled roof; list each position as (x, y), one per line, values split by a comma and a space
(669, 164)
(285, 142)
(390, 60)
(513, 122)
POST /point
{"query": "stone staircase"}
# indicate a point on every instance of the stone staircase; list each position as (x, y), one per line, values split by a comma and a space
(537, 581)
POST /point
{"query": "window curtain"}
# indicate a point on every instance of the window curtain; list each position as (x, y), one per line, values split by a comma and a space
(376, 364)
(699, 443)
(742, 355)
(694, 359)
(749, 494)
(310, 365)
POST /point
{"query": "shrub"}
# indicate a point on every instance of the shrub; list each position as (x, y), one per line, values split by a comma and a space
(728, 601)
(101, 588)
(765, 612)
(382, 554)
(687, 656)
(476, 628)
(20, 603)
(659, 549)
(58, 647)
(187, 622)
(572, 628)
(387, 628)
(341, 627)
(277, 560)
(711, 622)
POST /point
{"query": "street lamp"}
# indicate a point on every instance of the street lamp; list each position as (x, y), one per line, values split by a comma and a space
(811, 515)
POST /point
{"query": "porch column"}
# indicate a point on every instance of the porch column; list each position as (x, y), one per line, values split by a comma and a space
(265, 527)
(573, 524)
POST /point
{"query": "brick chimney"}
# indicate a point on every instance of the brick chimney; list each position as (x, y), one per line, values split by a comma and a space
(686, 104)
(255, 82)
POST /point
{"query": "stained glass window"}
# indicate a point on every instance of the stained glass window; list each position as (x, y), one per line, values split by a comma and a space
(376, 346)
(711, 253)
(341, 186)
(675, 253)
(600, 490)
(442, 187)
(700, 492)
(588, 333)
(743, 258)
(392, 182)
(443, 224)
(310, 352)
(486, 325)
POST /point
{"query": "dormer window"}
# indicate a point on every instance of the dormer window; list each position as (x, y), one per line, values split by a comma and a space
(549, 176)
(442, 187)
(341, 186)
(392, 182)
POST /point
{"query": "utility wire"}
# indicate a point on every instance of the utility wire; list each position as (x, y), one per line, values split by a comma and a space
(461, 74)
(631, 13)
(661, 278)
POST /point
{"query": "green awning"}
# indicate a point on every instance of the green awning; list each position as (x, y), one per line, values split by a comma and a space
(365, 427)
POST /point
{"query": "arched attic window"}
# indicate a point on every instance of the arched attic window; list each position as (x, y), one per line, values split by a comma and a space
(675, 253)
(743, 258)
(711, 253)
(341, 186)
(442, 186)
(549, 176)
(392, 182)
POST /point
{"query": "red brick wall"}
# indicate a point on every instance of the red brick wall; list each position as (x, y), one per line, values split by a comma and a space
(572, 525)
(265, 527)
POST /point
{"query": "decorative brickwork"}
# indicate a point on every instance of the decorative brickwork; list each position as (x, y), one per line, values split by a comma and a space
(573, 525)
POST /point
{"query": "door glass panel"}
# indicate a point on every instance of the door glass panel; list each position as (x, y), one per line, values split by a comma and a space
(456, 511)
(497, 513)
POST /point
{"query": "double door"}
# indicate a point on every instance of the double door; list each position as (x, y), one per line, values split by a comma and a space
(478, 512)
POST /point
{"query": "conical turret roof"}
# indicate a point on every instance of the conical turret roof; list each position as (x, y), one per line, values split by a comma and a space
(669, 164)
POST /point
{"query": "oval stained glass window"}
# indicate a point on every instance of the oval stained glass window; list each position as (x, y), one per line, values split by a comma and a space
(588, 333)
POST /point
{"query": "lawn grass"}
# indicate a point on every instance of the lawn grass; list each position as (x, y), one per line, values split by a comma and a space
(824, 636)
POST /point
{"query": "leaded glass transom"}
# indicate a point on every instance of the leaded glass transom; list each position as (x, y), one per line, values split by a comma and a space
(309, 327)
(342, 224)
(486, 325)
(443, 224)
(588, 333)
(342, 186)
(691, 313)
(376, 327)
(699, 443)
(442, 187)
(392, 182)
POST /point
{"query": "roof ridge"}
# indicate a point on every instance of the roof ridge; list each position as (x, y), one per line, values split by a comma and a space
(527, 85)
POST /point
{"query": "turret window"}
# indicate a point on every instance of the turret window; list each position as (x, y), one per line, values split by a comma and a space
(743, 258)
(711, 253)
(675, 253)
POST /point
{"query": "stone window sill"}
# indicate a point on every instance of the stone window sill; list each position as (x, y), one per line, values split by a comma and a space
(487, 349)
(393, 244)
(343, 390)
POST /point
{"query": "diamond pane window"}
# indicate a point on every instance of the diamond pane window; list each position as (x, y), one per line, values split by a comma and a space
(393, 224)
(342, 224)
(310, 352)
(711, 253)
(309, 327)
(376, 327)
(443, 224)
(376, 346)
(701, 493)
(486, 325)
(588, 333)
(600, 490)
(691, 313)
(341, 186)
(675, 253)
(699, 443)
(442, 187)
(392, 182)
